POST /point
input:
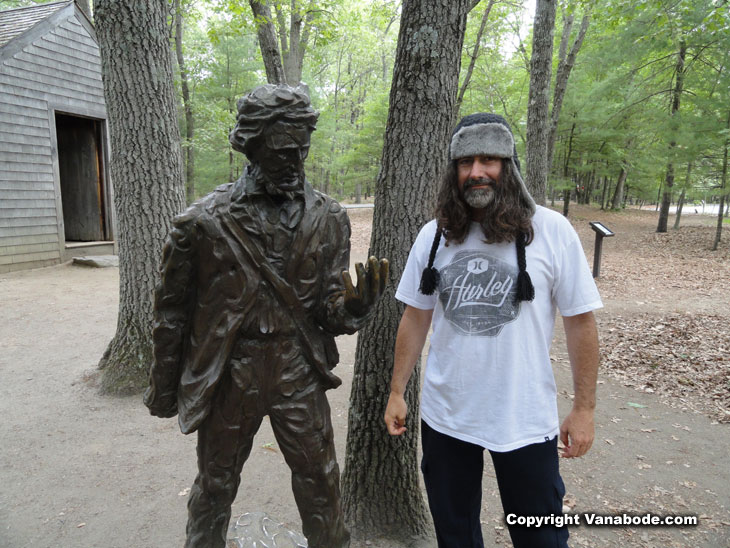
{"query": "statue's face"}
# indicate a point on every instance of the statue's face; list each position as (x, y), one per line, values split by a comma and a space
(281, 156)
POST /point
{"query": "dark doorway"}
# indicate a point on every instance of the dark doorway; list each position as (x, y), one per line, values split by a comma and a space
(80, 162)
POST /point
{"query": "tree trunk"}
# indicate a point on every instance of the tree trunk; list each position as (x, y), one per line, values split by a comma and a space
(381, 494)
(566, 202)
(146, 168)
(538, 104)
(618, 193)
(188, 150)
(669, 180)
(680, 202)
(294, 45)
(723, 187)
(267, 42)
(473, 60)
(565, 66)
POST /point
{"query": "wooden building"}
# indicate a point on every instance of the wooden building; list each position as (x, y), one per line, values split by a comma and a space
(56, 200)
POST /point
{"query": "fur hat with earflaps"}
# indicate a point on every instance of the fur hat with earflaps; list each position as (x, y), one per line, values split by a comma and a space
(485, 134)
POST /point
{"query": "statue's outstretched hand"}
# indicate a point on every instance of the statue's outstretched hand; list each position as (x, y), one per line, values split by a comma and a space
(370, 286)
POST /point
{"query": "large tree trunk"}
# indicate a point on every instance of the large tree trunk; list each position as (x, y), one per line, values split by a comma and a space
(146, 168)
(188, 149)
(669, 180)
(565, 66)
(538, 102)
(380, 481)
(267, 42)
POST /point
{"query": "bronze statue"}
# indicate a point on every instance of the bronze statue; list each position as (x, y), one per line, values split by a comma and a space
(254, 289)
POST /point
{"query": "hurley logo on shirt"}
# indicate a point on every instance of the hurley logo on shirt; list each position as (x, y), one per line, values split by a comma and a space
(477, 293)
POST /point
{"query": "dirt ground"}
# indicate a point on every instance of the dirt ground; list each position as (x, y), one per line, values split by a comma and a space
(81, 470)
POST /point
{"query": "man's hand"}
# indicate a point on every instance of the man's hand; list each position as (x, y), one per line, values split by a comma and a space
(395, 414)
(370, 286)
(577, 433)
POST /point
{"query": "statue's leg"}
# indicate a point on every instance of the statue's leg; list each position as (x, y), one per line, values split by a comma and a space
(303, 429)
(224, 443)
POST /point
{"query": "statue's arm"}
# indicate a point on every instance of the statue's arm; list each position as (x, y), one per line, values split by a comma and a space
(173, 300)
(347, 309)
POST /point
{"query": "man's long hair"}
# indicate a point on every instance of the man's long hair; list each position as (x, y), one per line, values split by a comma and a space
(507, 215)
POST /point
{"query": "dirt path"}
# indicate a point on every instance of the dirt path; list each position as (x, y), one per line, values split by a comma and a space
(78, 470)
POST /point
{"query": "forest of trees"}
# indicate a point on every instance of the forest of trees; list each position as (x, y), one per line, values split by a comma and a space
(644, 116)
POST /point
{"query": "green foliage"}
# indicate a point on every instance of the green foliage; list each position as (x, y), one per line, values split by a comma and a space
(617, 104)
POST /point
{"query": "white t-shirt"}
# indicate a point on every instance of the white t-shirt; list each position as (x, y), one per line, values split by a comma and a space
(488, 377)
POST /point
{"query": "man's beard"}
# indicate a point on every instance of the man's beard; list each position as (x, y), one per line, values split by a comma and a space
(293, 187)
(479, 198)
(273, 190)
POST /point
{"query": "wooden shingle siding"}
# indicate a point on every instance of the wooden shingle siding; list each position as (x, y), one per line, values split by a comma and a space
(27, 248)
(10, 232)
(24, 259)
(50, 71)
(27, 194)
(41, 83)
(35, 218)
(52, 64)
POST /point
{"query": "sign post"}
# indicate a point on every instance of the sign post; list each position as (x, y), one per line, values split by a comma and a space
(602, 231)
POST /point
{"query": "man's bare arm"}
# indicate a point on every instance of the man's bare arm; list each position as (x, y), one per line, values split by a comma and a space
(409, 342)
(577, 431)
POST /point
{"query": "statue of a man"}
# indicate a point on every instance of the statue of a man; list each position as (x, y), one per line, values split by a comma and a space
(254, 289)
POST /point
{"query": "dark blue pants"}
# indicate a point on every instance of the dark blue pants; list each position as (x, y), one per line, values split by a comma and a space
(529, 485)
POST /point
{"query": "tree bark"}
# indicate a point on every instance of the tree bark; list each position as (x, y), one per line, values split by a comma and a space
(538, 103)
(146, 168)
(669, 180)
(381, 494)
(565, 66)
(188, 149)
(267, 42)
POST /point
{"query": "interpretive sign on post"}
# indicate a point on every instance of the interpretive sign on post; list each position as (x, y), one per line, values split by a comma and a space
(602, 231)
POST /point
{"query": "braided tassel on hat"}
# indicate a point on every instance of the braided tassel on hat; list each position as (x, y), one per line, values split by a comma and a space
(431, 277)
(525, 289)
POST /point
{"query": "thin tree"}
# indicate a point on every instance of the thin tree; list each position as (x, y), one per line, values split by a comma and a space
(538, 125)
(146, 168)
(566, 62)
(380, 480)
(188, 149)
(723, 188)
(680, 202)
(676, 97)
(473, 58)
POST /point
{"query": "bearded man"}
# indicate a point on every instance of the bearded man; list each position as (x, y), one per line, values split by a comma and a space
(253, 291)
(491, 292)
